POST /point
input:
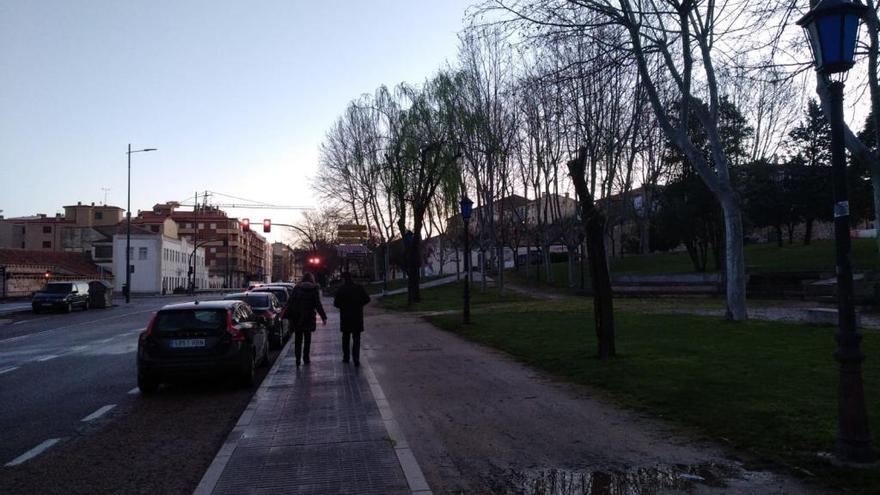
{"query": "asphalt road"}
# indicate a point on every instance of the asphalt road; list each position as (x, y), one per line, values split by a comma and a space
(68, 394)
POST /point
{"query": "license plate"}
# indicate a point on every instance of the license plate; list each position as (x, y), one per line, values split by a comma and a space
(187, 343)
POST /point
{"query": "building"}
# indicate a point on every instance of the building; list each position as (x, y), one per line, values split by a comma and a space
(76, 230)
(159, 263)
(283, 262)
(23, 271)
(231, 253)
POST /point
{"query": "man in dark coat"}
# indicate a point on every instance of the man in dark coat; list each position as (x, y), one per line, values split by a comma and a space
(302, 306)
(351, 299)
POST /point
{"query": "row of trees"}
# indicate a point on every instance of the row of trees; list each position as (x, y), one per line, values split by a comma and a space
(681, 98)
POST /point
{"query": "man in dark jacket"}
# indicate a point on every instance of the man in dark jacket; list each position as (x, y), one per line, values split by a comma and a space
(302, 306)
(351, 299)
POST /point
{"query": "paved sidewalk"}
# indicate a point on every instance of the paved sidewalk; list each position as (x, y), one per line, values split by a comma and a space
(321, 428)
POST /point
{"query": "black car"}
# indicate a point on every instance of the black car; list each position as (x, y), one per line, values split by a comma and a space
(281, 292)
(61, 295)
(267, 307)
(213, 337)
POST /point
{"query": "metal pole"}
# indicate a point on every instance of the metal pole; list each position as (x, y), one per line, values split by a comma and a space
(228, 281)
(195, 241)
(467, 272)
(853, 437)
(128, 234)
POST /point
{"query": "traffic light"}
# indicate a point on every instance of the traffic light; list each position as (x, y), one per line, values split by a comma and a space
(47, 274)
(314, 261)
(267, 225)
(246, 224)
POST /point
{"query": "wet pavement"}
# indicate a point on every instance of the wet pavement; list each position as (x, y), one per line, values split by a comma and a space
(318, 428)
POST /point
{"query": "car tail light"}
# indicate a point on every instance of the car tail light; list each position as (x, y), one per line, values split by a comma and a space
(149, 330)
(236, 334)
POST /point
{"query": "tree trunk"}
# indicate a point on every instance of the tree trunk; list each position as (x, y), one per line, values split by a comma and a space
(499, 281)
(571, 282)
(594, 227)
(778, 229)
(412, 272)
(482, 270)
(808, 232)
(734, 258)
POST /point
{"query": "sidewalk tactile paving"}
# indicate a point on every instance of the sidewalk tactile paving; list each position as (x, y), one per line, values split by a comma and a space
(316, 429)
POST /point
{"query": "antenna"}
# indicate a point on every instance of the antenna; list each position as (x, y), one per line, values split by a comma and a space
(106, 190)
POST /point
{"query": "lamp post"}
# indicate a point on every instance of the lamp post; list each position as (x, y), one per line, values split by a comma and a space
(466, 206)
(832, 29)
(128, 226)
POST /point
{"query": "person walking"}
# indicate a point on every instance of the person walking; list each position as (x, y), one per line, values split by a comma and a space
(351, 299)
(302, 306)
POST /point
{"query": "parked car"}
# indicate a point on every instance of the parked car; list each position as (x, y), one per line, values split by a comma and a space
(212, 337)
(267, 307)
(280, 291)
(61, 295)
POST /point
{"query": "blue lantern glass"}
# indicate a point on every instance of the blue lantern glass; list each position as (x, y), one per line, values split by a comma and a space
(832, 27)
(466, 207)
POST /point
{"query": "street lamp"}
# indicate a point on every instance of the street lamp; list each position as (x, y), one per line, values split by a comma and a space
(832, 28)
(466, 206)
(128, 226)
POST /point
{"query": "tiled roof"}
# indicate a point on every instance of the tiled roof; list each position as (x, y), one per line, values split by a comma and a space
(79, 264)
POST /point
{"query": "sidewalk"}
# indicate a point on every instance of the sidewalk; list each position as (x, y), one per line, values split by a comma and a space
(321, 428)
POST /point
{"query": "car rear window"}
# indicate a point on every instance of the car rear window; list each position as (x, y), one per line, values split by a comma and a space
(188, 319)
(57, 288)
(256, 301)
(281, 294)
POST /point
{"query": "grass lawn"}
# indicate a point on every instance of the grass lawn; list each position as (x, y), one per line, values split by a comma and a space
(818, 256)
(376, 288)
(766, 388)
(450, 297)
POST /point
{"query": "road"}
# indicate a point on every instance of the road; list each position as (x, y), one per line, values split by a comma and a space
(68, 394)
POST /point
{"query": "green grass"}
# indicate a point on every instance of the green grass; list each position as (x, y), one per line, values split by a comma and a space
(818, 256)
(766, 388)
(450, 297)
(376, 288)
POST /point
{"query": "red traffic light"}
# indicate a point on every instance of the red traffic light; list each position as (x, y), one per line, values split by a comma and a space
(47, 274)
(314, 260)
(245, 224)
(267, 225)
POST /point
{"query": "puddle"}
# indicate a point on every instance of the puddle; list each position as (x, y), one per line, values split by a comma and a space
(641, 481)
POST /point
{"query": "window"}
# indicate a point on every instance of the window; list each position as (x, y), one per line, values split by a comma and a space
(213, 250)
(154, 228)
(201, 225)
(47, 229)
(47, 244)
(103, 252)
(99, 215)
(213, 226)
(142, 253)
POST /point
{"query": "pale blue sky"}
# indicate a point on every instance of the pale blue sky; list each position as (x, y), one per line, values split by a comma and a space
(237, 95)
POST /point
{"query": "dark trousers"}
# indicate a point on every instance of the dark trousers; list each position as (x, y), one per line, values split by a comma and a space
(302, 341)
(351, 346)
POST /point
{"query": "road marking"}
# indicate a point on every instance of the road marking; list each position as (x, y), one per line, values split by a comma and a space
(97, 414)
(134, 391)
(46, 358)
(13, 339)
(30, 454)
(7, 370)
(79, 348)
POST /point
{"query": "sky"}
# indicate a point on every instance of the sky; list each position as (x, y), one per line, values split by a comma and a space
(236, 95)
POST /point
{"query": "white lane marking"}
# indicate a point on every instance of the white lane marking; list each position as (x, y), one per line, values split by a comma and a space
(97, 414)
(46, 358)
(134, 391)
(7, 370)
(79, 348)
(30, 454)
(24, 336)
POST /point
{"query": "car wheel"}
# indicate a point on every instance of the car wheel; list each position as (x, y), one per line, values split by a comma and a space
(86, 306)
(36, 310)
(147, 385)
(249, 371)
(68, 308)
